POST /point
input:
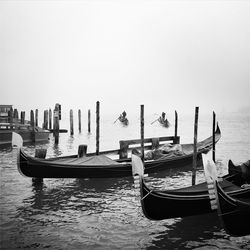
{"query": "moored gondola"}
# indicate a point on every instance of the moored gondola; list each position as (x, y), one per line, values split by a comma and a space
(105, 166)
(182, 202)
(233, 211)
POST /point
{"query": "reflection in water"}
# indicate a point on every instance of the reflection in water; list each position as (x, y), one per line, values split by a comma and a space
(105, 213)
(189, 232)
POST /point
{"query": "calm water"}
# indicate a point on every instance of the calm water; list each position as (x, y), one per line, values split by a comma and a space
(106, 213)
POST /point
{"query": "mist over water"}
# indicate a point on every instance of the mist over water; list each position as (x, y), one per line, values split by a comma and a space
(106, 213)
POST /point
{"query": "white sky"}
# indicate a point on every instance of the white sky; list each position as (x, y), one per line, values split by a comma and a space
(167, 55)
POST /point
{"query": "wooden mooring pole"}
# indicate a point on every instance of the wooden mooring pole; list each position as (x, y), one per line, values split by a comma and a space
(214, 119)
(22, 117)
(50, 117)
(97, 127)
(79, 121)
(142, 132)
(56, 125)
(45, 119)
(32, 123)
(15, 115)
(195, 145)
(71, 122)
(36, 117)
(176, 140)
(89, 120)
(39, 153)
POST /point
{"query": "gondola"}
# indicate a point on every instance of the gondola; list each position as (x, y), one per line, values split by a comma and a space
(233, 212)
(164, 122)
(182, 202)
(102, 166)
(123, 120)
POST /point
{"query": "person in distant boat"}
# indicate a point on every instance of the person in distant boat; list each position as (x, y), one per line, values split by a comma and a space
(124, 114)
(162, 117)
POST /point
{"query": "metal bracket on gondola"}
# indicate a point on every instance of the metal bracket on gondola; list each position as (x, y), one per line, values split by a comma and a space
(146, 195)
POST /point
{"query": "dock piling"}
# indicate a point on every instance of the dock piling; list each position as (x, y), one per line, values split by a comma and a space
(214, 119)
(32, 123)
(142, 131)
(195, 145)
(56, 124)
(71, 122)
(89, 129)
(82, 150)
(177, 139)
(36, 117)
(79, 121)
(50, 117)
(22, 117)
(97, 127)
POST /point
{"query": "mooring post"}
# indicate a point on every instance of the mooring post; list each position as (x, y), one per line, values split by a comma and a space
(36, 117)
(32, 123)
(39, 153)
(45, 120)
(97, 126)
(195, 145)
(82, 150)
(10, 115)
(50, 117)
(15, 115)
(176, 140)
(142, 131)
(22, 117)
(89, 121)
(71, 122)
(214, 119)
(56, 124)
(79, 121)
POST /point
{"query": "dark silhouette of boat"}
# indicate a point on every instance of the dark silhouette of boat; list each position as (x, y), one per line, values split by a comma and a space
(182, 202)
(102, 166)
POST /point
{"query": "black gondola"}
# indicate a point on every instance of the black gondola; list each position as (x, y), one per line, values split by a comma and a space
(188, 201)
(234, 212)
(102, 166)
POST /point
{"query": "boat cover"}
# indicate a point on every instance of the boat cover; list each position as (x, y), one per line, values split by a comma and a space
(95, 160)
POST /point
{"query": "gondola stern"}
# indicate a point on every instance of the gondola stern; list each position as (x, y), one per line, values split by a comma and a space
(21, 161)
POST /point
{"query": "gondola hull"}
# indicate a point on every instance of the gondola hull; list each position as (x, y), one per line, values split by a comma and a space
(103, 166)
(233, 212)
(44, 168)
(160, 205)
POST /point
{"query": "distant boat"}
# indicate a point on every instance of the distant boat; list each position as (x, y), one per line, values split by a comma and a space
(27, 132)
(164, 122)
(123, 120)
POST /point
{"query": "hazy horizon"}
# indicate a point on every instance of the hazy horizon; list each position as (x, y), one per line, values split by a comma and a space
(167, 55)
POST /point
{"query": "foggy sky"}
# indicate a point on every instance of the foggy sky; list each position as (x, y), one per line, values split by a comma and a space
(163, 54)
